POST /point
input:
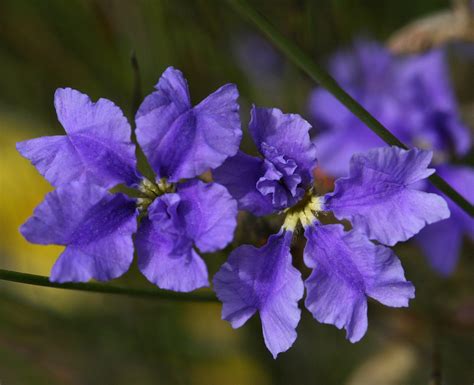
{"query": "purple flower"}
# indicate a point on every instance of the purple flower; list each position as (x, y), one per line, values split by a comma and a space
(380, 198)
(96, 226)
(198, 214)
(412, 96)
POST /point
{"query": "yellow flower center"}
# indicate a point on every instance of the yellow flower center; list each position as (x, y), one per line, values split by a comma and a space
(303, 212)
(151, 191)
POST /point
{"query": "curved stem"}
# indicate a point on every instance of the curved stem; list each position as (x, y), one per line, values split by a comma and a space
(319, 75)
(39, 280)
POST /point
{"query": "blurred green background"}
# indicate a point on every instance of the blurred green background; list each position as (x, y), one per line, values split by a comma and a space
(49, 336)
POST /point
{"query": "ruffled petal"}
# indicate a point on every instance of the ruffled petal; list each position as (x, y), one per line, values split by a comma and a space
(288, 134)
(98, 143)
(162, 266)
(55, 158)
(240, 174)
(165, 251)
(172, 96)
(379, 195)
(282, 181)
(95, 226)
(183, 142)
(264, 280)
(209, 213)
(347, 269)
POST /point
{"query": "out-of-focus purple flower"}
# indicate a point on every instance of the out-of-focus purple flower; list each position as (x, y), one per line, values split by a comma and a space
(431, 107)
(96, 226)
(412, 97)
(367, 66)
(442, 241)
(378, 196)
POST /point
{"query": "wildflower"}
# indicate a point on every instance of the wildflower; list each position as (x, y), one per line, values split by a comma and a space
(97, 154)
(377, 196)
(413, 98)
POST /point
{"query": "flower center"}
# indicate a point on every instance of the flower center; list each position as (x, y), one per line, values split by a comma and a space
(150, 191)
(303, 212)
(281, 180)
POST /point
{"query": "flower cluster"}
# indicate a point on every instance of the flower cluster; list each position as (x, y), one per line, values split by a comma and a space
(412, 97)
(176, 215)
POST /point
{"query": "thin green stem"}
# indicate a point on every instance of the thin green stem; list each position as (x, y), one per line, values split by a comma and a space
(319, 75)
(157, 294)
(143, 165)
(137, 84)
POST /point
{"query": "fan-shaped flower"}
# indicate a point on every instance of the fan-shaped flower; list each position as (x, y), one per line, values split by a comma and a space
(96, 154)
(379, 198)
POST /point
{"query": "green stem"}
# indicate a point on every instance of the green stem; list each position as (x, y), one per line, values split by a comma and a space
(137, 84)
(39, 280)
(319, 75)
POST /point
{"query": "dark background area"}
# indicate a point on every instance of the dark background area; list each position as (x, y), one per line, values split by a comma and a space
(49, 336)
